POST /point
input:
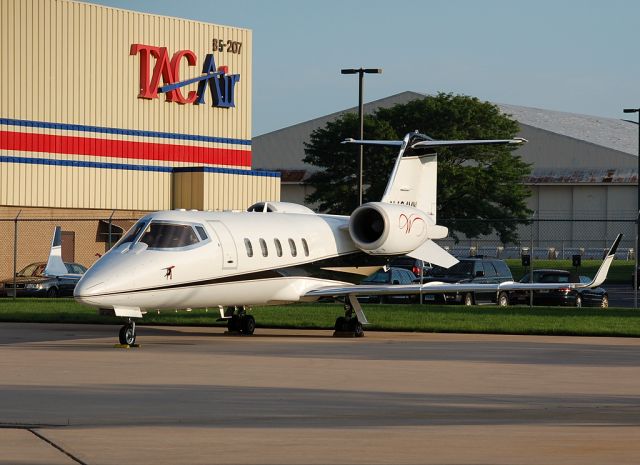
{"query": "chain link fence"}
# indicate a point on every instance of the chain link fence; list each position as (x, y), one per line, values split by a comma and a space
(552, 239)
(26, 240)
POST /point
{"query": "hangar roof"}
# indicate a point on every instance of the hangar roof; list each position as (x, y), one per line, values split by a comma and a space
(283, 149)
(616, 134)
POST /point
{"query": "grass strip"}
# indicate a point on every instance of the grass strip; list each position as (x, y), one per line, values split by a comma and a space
(413, 318)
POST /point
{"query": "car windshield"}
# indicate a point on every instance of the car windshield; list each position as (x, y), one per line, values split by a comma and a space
(378, 277)
(547, 277)
(35, 269)
(461, 268)
(159, 235)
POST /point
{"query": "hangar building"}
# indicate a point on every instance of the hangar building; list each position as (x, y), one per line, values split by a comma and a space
(584, 167)
(106, 112)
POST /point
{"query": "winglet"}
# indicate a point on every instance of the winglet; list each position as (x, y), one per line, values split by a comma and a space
(55, 265)
(601, 275)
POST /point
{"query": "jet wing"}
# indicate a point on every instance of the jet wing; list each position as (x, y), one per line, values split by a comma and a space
(441, 288)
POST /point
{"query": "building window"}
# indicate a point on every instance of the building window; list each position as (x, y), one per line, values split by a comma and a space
(263, 246)
(292, 246)
(249, 247)
(278, 247)
(305, 246)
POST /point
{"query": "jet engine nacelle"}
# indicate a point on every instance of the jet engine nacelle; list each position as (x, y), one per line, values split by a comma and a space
(388, 229)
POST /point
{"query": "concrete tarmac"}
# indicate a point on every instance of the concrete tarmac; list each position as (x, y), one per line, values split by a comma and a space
(196, 396)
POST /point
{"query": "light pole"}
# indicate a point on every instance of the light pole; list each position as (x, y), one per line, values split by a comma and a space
(361, 72)
(635, 272)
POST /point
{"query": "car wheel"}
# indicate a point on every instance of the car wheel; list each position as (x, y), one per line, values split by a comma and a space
(52, 292)
(468, 299)
(578, 300)
(503, 299)
(605, 301)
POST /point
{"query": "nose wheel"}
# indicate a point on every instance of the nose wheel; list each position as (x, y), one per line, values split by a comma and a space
(127, 335)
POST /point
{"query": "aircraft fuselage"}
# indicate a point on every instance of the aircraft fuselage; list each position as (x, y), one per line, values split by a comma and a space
(225, 258)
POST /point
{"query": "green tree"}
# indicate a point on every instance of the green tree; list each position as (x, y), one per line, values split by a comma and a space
(336, 185)
(480, 188)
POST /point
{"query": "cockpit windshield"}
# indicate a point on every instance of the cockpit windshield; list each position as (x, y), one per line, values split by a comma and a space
(132, 233)
(168, 235)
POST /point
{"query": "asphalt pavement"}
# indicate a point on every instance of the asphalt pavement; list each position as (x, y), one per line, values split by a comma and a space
(197, 396)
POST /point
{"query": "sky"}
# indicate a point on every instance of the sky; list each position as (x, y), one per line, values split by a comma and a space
(577, 56)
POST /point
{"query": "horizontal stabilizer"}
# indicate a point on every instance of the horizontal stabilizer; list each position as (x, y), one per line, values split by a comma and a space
(438, 143)
(450, 143)
(386, 143)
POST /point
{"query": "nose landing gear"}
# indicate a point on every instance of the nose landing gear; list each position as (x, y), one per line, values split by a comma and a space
(127, 335)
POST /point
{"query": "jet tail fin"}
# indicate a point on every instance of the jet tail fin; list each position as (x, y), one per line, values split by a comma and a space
(55, 265)
(414, 179)
(431, 252)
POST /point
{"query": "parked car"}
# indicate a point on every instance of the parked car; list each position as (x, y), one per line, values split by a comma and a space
(391, 276)
(415, 265)
(596, 297)
(30, 281)
(478, 270)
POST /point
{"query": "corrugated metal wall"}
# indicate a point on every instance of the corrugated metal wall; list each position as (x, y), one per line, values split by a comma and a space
(73, 132)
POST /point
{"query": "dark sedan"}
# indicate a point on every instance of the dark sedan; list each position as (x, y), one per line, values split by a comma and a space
(596, 297)
(389, 277)
(31, 282)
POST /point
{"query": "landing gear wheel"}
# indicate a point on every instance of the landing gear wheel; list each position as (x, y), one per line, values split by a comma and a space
(468, 299)
(240, 322)
(503, 299)
(605, 302)
(234, 325)
(341, 324)
(248, 324)
(127, 334)
(578, 300)
(348, 325)
(356, 327)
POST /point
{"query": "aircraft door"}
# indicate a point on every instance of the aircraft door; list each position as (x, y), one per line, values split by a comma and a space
(227, 245)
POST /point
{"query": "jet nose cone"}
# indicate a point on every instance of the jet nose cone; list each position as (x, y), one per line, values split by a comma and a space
(88, 287)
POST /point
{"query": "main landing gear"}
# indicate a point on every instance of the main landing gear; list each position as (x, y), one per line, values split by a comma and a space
(348, 325)
(240, 322)
(127, 334)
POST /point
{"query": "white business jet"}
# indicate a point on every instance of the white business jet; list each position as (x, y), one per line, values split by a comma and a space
(278, 252)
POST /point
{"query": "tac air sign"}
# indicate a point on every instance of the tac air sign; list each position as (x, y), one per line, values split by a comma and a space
(220, 84)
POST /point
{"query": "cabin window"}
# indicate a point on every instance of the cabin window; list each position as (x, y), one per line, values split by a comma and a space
(305, 246)
(278, 247)
(263, 246)
(249, 247)
(202, 233)
(292, 246)
(168, 236)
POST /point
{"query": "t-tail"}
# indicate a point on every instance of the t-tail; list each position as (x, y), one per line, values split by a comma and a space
(404, 221)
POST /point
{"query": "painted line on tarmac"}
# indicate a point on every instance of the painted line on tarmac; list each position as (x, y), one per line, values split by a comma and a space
(53, 444)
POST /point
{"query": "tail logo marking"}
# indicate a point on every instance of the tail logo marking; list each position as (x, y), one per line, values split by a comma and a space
(406, 222)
